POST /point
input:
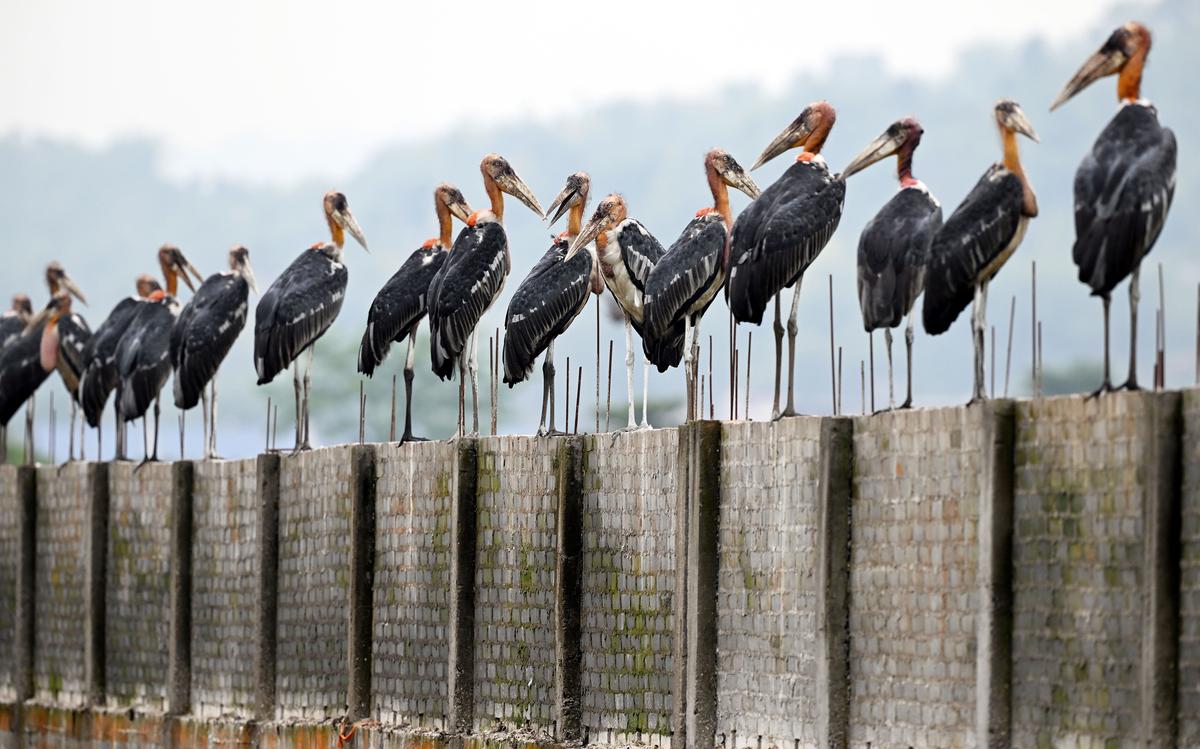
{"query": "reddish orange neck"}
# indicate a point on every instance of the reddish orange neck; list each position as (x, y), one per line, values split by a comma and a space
(1012, 161)
(444, 222)
(575, 220)
(335, 231)
(1129, 84)
(720, 193)
(494, 195)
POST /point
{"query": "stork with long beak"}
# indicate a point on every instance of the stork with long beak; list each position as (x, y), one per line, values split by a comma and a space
(979, 237)
(781, 233)
(12, 325)
(299, 307)
(894, 245)
(471, 280)
(551, 297)
(205, 331)
(1125, 184)
(685, 280)
(401, 304)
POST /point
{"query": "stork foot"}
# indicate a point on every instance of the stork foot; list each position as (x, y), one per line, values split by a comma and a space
(906, 405)
(409, 437)
(145, 462)
(544, 432)
(976, 401)
(786, 413)
(879, 411)
(1105, 388)
(1131, 385)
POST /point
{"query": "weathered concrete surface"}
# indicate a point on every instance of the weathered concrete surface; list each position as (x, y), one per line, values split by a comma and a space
(9, 555)
(1189, 636)
(629, 577)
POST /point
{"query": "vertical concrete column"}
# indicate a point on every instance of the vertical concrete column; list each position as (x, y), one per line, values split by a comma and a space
(96, 561)
(996, 423)
(568, 682)
(362, 577)
(700, 503)
(179, 672)
(26, 575)
(833, 582)
(1162, 517)
(268, 584)
(463, 546)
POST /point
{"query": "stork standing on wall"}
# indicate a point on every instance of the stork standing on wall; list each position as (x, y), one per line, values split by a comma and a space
(12, 325)
(100, 376)
(781, 233)
(685, 280)
(894, 245)
(627, 253)
(550, 298)
(401, 304)
(1124, 187)
(143, 354)
(979, 237)
(471, 280)
(300, 306)
(205, 331)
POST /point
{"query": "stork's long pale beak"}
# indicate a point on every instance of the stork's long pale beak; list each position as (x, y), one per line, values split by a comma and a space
(181, 265)
(563, 202)
(42, 315)
(598, 223)
(349, 223)
(460, 210)
(736, 177)
(878, 150)
(512, 184)
(1019, 123)
(793, 136)
(1099, 65)
(70, 286)
(248, 274)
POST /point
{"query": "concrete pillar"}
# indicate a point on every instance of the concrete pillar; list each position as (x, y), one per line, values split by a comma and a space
(833, 582)
(26, 575)
(568, 681)
(463, 541)
(994, 621)
(268, 584)
(179, 672)
(96, 561)
(362, 578)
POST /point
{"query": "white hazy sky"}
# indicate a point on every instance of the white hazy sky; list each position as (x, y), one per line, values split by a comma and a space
(277, 89)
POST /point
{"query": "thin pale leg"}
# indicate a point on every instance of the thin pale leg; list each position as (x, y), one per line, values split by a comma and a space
(978, 316)
(629, 374)
(778, 356)
(908, 344)
(792, 331)
(408, 381)
(462, 394)
(1131, 382)
(887, 342)
(306, 443)
(71, 435)
(212, 425)
(298, 386)
(473, 365)
(1106, 384)
(645, 394)
(204, 418)
(157, 411)
(547, 392)
(687, 370)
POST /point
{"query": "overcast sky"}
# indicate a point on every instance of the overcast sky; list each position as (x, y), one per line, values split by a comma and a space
(281, 88)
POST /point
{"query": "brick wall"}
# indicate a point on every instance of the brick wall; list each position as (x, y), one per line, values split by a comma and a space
(412, 583)
(8, 581)
(137, 589)
(629, 574)
(1189, 635)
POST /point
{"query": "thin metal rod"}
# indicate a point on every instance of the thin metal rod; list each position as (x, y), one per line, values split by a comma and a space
(862, 367)
(749, 349)
(1037, 385)
(871, 357)
(832, 371)
(993, 365)
(839, 380)
(578, 392)
(711, 406)
(597, 363)
(362, 414)
(50, 428)
(700, 408)
(491, 378)
(1012, 316)
(1198, 334)
(1039, 357)
(496, 386)
(732, 360)
(275, 428)
(608, 398)
(267, 436)
(567, 400)
(1162, 324)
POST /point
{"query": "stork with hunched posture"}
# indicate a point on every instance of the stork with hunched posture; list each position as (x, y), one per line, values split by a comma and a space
(978, 239)
(894, 245)
(1124, 187)
(686, 279)
(781, 233)
(401, 304)
(12, 325)
(470, 281)
(299, 307)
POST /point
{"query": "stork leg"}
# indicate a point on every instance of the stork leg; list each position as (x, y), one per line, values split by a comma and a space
(547, 392)
(550, 387)
(297, 386)
(978, 316)
(71, 434)
(687, 369)
(1106, 384)
(645, 394)
(778, 356)
(204, 418)
(908, 344)
(212, 423)
(462, 395)
(792, 331)
(1131, 383)
(473, 365)
(3, 444)
(887, 342)
(408, 382)
(154, 454)
(629, 374)
(29, 445)
(307, 443)
(118, 433)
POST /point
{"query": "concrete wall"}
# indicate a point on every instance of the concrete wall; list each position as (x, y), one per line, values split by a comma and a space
(9, 533)
(1189, 635)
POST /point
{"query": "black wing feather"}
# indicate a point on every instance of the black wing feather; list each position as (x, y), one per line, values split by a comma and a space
(463, 290)
(691, 269)
(73, 337)
(399, 306)
(640, 251)
(21, 372)
(297, 310)
(144, 358)
(892, 252)
(205, 331)
(99, 359)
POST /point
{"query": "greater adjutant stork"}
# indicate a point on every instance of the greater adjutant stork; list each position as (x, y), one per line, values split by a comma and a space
(1124, 187)
(400, 305)
(894, 245)
(979, 237)
(781, 233)
(300, 306)
(686, 279)
(551, 297)
(627, 253)
(471, 280)
(143, 358)
(205, 331)
(14, 319)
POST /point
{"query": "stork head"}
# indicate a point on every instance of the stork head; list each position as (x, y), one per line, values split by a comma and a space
(146, 285)
(608, 215)
(22, 306)
(1125, 50)
(902, 136)
(1012, 119)
(497, 170)
(574, 193)
(57, 279)
(718, 162)
(239, 263)
(808, 132)
(452, 198)
(58, 306)
(174, 265)
(340, 219)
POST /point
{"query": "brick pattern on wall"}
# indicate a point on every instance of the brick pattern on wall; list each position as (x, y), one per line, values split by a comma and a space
(627, 608)
(515, 583)
(60, 584)
(1189, 634)
(766, 592)
(914, 561)
(1077, 583)
(412, 583)
(8, 581)
(224, 588)
(314, 585)
(137, 588)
